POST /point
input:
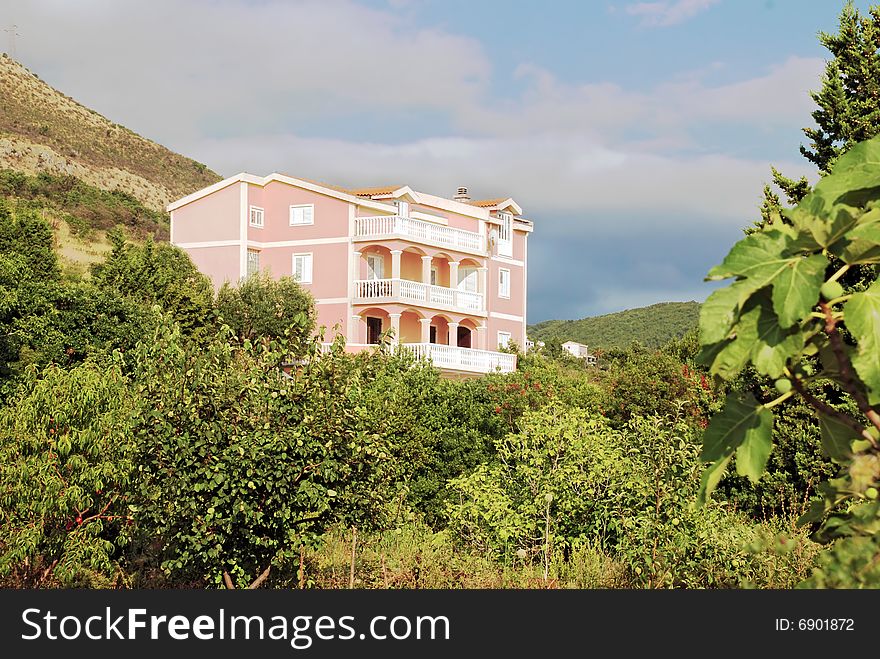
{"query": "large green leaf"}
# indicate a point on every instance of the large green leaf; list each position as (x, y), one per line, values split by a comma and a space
(733, 357)
(718, 312)
(763, 259)
(854, 180)
(861, 245)
(740, 419)
(836, 437)
(752, 256)
(796, 287)
(862, 314)
(774, 346)
(743, 426)
(710, 479)
(752, 454)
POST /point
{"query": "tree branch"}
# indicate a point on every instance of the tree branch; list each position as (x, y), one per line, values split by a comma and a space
(848, 378)
(260, 579)
(827, 410)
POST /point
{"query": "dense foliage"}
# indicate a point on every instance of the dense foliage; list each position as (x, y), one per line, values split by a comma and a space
(85, 208)
(788, 315)
(651, 326)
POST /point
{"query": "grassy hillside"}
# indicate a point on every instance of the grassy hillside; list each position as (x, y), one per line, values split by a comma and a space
(80, 215)
(43, 130)
(651, 326)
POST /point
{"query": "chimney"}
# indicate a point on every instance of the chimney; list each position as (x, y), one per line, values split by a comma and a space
(462, 195)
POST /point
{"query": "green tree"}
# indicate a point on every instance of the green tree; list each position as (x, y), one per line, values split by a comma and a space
(848, 104)
(65, 472)
(788, 316)
(261, 307)
(158, 273)
(241, 466)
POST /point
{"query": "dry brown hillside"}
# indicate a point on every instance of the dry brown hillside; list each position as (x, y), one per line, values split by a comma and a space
(42, 129)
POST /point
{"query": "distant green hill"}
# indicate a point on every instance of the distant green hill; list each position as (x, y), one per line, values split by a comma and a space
(651, 326)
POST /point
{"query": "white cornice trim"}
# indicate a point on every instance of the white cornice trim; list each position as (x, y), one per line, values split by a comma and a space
(506, 316)
(244, 177)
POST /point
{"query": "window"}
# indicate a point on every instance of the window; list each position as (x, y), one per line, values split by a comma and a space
(302, 268)
(503, 282)
(503, 339)
(505, 234)
(402, 208)
(434, 277)
(467, 279)
(253, 262)
(375, 266)
(304, 214)
(256, 217)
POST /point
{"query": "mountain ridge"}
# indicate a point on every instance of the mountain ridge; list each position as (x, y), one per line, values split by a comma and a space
(652, 326)
(44, 130)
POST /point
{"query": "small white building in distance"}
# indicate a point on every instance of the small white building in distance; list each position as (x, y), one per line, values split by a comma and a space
(575, 349)
(578, 350)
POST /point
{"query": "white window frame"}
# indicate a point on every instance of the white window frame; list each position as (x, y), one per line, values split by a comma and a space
(311, 270)
(504, 342)
(311, 214)
(435, 276)
(505, 234)
(501, 292)
(372, 270)
(256, 212)
(402, 207)
(251, 251)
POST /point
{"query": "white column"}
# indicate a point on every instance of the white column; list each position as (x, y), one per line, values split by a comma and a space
(483, 273)
(395, 263)
(481, 338)
(453, 333)
(426, 330)
(453, 274)
(357, 330)
(426, 269)
(395, 326)
(355, 272)
(395, 272)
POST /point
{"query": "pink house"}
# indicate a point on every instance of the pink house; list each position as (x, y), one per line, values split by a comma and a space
(447, 277)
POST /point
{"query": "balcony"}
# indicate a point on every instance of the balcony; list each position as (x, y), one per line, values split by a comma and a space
(463, 359)
(428, 233)
(418, 293)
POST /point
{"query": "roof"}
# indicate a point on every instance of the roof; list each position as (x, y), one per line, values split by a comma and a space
(369, 197)
(483, 203)
(330, 186)
(369, 192)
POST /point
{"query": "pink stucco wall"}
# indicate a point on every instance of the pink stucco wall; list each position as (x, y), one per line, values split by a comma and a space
(212, 218)
(219, 263)
(328, 316)
(276, 198)
(329, 266)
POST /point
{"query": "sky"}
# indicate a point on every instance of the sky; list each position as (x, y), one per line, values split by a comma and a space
(637, 136)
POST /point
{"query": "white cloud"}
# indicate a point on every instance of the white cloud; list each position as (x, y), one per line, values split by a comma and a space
(233, 66)
(664, 14)
(241, 86)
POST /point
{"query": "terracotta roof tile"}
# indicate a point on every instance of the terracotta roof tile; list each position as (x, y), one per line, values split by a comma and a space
(369, 192)
(338, 188)
(485, 203)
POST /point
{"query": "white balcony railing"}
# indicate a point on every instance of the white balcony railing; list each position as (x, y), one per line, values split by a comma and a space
(463, 359)
(388, 226)
(416, 292)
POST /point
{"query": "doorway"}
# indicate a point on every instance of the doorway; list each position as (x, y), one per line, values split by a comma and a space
(374, 329)
(464, 337)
